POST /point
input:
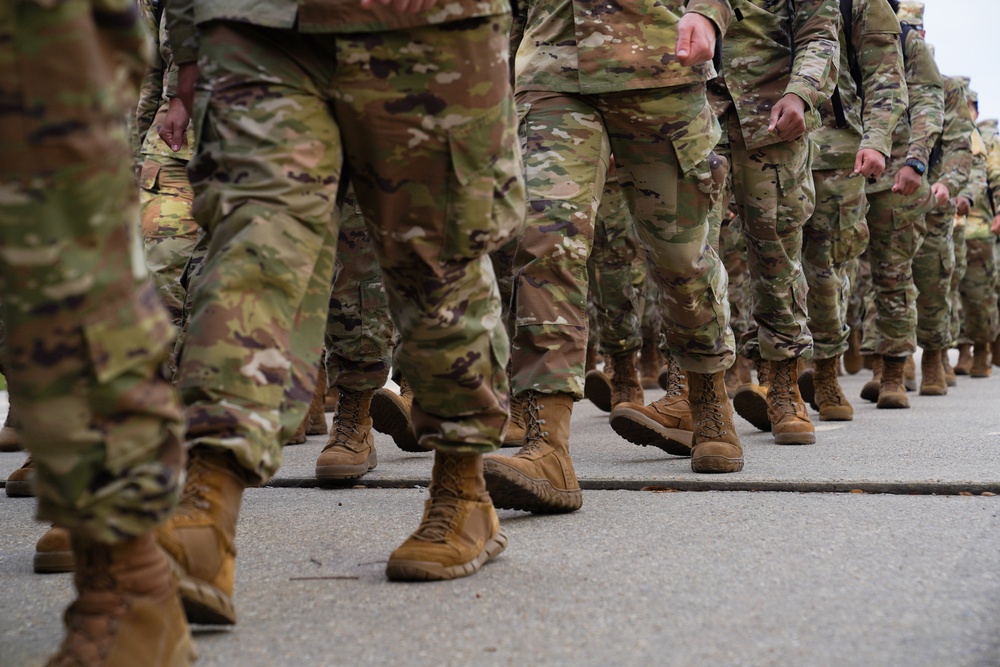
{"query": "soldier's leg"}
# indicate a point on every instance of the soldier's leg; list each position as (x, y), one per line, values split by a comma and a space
(358, 338)
(897, 231)
(834, 235)
(670, 187)
(775, 196)
(438, 198)
(615, 297)
(933, 266)
(86, 335)
(980, 307)
(248, 366)
(168, 229)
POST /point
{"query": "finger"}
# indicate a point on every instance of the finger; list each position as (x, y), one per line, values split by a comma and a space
(859, 163)
(683, 47)
(775, 118)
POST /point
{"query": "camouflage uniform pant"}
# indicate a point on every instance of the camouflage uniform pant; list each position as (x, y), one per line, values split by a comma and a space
(359, 331)
(583, 130)
(168, 229)
(956, 314)
(733, 249)
(835, 235)
(933, 266)
(86, 333)
(439, 188)
(611, 269)
(897, 232)
(978, 292)
(775, 195)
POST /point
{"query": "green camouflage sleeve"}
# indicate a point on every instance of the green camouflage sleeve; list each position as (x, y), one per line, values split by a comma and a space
(817, 51)
(519, 17)
(993, 171)
(956, 139)
(975, 187)
(876, 41)
(926, 91)
(183, 31)
(718, 12)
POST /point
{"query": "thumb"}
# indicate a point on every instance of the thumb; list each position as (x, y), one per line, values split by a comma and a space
(684, 39)
(859, 163)
(776, 113)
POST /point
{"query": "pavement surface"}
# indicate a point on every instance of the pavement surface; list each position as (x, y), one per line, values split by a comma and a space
(879, 545)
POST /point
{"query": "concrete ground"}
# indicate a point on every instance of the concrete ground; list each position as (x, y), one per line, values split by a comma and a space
(879, 545)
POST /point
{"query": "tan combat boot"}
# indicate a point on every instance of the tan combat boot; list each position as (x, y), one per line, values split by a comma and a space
(869, 392)
(852, 358)
(744, 370)
(625, 387)
(981, 362)
(459, 531)
(20, 483)
(316, 419)
(750, 400)
(950, 378)
(892, 391)
(833, 405)
(391, 415)
(995, 351)
(787, 413)
(665, 423)
(200, 536)
(932, 377)
(126, 612)
(732, 381)
(964, 359)
(515, 430)
(10, 434)
(299, 437)
(350, 451)
(717, 448)
(330, 402)
(910, 374)
(539, 477)
(650, 361)
(53, 552)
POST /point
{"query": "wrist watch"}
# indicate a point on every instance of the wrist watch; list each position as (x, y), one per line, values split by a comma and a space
(917, 165)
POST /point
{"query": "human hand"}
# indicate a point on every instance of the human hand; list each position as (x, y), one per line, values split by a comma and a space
(788, 117)
(695, 40)
(175, 124)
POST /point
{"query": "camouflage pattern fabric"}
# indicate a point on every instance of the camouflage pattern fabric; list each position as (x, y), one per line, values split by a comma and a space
(956, 314)
(912, 13)
(611, 268)
(438, 192)
(567, 141)
(935, 260)
(86, 334)
(981, 321)
(733, 249)
(359, 332)
(776, 49)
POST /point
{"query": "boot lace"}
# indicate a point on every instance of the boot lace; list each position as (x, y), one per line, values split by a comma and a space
(445, 500)
(675, 379)
(345, 423)
(95, 572)
(533, 433)
(781, 386)
(194, 497)
(827, 387)
(621, 381)
(711, 424)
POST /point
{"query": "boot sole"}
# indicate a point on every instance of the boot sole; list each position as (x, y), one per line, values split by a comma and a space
(933, 391)
(716, 464)
(640, 430)
(388, 418)
(597, 390)
(892, 405)
(203, 603)
(19, 489)
(511, 489)
(832, 416)
(795, 438)
(53, 562)
(753, 408)
(317, 429)
(418, 570)
(870, 394)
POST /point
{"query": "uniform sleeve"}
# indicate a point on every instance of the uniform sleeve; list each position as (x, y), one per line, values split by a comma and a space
(151, 88)
(926, 91)
(975, 187)
(183, 31)
(956, 139)
(519, 18)
(876, 41)
(817, 51)
(993, 171)
(718, 12)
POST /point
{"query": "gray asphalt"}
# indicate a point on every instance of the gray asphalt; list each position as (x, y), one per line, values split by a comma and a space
(796, 573)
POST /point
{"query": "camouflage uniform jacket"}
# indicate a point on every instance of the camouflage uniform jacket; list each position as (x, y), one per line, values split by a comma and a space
(872, 117)
(312, 16)
(919, 128)
(591, 46)
(777, 47)
(976, 190)
(158, 87)
(951, 159)
(991, 135)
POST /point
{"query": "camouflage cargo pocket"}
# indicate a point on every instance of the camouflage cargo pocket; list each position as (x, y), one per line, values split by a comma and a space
(486, 200)
(852, 234)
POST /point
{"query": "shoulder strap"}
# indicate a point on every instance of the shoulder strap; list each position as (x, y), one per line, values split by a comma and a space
(902, 38)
